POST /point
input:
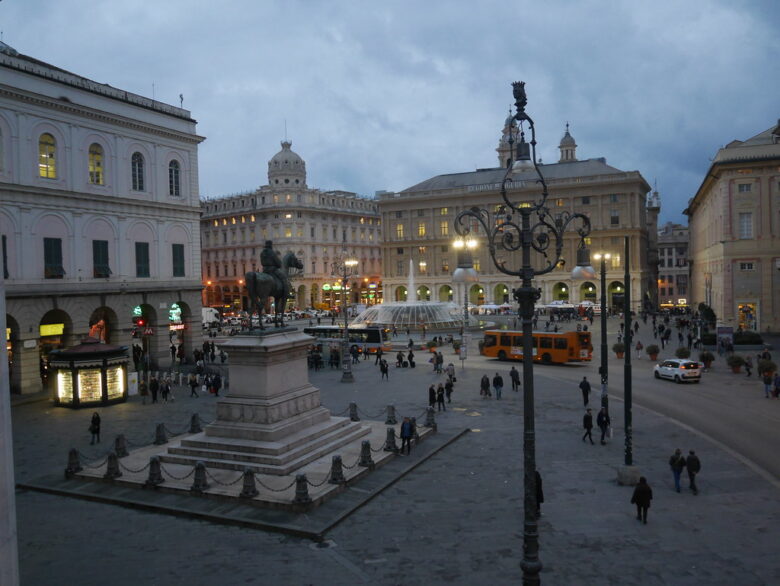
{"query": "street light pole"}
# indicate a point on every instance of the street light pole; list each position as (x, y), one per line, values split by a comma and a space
(546, 236)
(604, 369)
(344, 267)
(629, 448)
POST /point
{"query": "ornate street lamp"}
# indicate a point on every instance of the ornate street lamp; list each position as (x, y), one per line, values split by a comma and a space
(603, 369)
(344, 268)
(466, 274)
(525, 227)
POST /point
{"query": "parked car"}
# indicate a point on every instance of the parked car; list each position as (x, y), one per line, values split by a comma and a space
(679, 370)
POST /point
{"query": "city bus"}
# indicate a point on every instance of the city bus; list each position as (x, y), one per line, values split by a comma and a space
(370, 337)
(548, 347)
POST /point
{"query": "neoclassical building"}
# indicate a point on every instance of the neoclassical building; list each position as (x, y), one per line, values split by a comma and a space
(316, 225)
(673, 268)
(734, 222)
(99, 217)
(418, 226)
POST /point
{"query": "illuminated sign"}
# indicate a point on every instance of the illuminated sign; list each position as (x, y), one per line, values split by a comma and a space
(326, 287)
(174, 313)
(137, 311)
(52, 329)
(372, 286)
(7, 334)
(176, 327)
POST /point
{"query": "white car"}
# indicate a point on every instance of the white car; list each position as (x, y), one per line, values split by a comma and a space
(679, 370)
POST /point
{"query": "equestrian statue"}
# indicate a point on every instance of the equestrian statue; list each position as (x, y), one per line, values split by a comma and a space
(273, 282)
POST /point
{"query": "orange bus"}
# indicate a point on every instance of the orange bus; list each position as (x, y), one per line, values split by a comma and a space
(548, 347)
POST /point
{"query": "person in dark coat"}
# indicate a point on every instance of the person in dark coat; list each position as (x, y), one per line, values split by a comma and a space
(399, 359)
(384, 368)
(165, 389)
(498, 385)
(407, 433)
(410, 358)
(94, 428)
(587, 424)
(440, 398)
(217, 384)
(585, 388)
(642, 496)
(677, 463)
(193, 382)
(484, 386)
(431, 396)
(378, 358)
(154, 387)
(603, 421)
(693, 465)
(539, 494)
(514, 374)
(448, 388)
(143, 390)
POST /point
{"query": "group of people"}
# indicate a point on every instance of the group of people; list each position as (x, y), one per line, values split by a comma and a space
(163, 388)
(498, 384)
(643, 494)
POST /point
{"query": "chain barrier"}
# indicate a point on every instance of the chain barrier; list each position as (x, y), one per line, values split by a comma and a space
(167, 472)
(84, 456)
(318, 484)
(138, 444)
(95, 467)
(343, 465)
(265, 486)
(342, 413)
(172, 433)
(367, 416)
(379, 449)
(236, 481)
(131, 470)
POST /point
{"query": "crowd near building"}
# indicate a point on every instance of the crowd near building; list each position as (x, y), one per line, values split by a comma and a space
(734, 221)
(99, 219)
(318, 226)
(419, 226)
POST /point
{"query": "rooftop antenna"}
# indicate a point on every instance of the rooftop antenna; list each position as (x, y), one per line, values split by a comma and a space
(285, 130)
(181, 100)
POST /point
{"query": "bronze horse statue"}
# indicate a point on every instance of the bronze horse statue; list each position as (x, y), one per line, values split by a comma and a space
(261, 286)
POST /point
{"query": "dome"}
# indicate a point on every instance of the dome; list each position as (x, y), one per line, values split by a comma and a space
(568, 140)
(286, 168)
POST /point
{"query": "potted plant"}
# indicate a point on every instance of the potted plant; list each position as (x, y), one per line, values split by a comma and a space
(619, 348)
(652, 351)
(706, 358)
(431, 345)
(735, 361)
(456, 346)
(682, 352)
(766, 366)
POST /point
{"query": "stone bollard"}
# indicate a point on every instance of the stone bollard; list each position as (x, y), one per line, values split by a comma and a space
(199, 483)
(301, 490)
(353, 414)
(391, 419)
(365, 455)
(414, 427)
(390, 445)
(250, 488)
(74, 463)
(159, 435)
(336, 471)
(195, 424)
(112, 469)
(120, 446)
(155, 472)
(430, 420)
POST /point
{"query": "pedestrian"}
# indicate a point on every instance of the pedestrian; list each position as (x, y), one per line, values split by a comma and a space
(748, 365)
(514, 374)
(165, 389)
(212, 354)
(216, 382)
(639, 346)
(642, 496)
(539, 494)
(767, 379)
(587, 424)
(693, 464)
(677, 463)
(193, 382)
(378, 356)
(450, 370)
(407, 433)
(143, 390)
(384, 369)
(154, 387)
(399, 359)
(94, 428)
(484, 386)
(498, 385)
(431, 396)
(173, 352)
(603, 421)
(410, 358)
(410, 345)
(585, 388)
(448, 388)
(365, 352)
(222, 356)
(440, 398)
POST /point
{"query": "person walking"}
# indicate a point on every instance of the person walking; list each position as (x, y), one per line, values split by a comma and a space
(378, 356)
(748, 365)
(165, 389)
(407, 433)
(410, 358)
(193, 382)
(642, 496)
(498, 385)
(449, 386)
(384, 369)
(693, 465)
(484, 386)
(603, 421)
(431, 396)
(639, 346)
(450, 370)
(767, 380)
(143, 390)
(440, 398)
(677, 463)
(514, 375)
(94, 428)
(154, 388)
(216, 382)
(587, 424)
(399, 359)
(585, 388)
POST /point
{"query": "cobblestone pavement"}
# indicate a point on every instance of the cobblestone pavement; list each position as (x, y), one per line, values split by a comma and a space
(457, 519)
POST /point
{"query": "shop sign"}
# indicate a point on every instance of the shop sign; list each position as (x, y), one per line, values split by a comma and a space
(174, 313)
(52, 329)
(137, 311)
(173, 327)
(148, 332)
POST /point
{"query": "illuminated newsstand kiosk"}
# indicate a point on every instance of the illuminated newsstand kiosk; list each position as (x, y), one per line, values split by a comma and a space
(90, 374)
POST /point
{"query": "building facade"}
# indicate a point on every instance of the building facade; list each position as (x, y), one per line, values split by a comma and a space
(673, 274)
(734, 222)
(318, 226)
(418, 226)
(99, 218)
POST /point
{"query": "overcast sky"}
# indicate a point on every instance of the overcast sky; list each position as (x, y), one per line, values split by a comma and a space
(385, 95)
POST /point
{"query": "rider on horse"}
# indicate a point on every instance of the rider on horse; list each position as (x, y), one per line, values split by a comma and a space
(272, 263)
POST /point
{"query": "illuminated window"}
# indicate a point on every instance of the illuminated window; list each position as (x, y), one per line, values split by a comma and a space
(444, 228)
(174, 181)
(362, 220)
(445, 265)
(137, 171)
(288, 232)
(233, 221)
(224, 221)
(443, 211)
(559, 202)
(47, 157)
(615, 261)
(476, 264)
(299, 232)
(216, 222)
(399, 230)
(288, 216)
(421, 229)
(421, 249)
(588, 241)
(95, 164)
(276, 199)
(243, 219)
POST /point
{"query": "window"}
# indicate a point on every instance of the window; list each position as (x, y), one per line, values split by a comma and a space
(443, 211)
(100, 268)
(142, 260)
(615, 261)
(399, 250)
(47, 157)
(421, 250)
(444, 228)
(52, 258)
(613, 198)
(744, 187)
(746, 266)
(137, 171)
(559, 203)
(421, 229)
(399, 268)
(96, 164)
(586, 200)
(5, 257)
(311, 231)
(177, 251)
(174, 186)
(746, 225)
(399, 230)
(477, 265)
(399, 214)
(661, 262)
(614, 217)
(445, 248)
(662, 291)
(671, 290)
(445, 265)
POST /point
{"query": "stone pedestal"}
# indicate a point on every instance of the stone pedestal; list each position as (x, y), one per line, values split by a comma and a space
(628, 475)
(271, 421)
